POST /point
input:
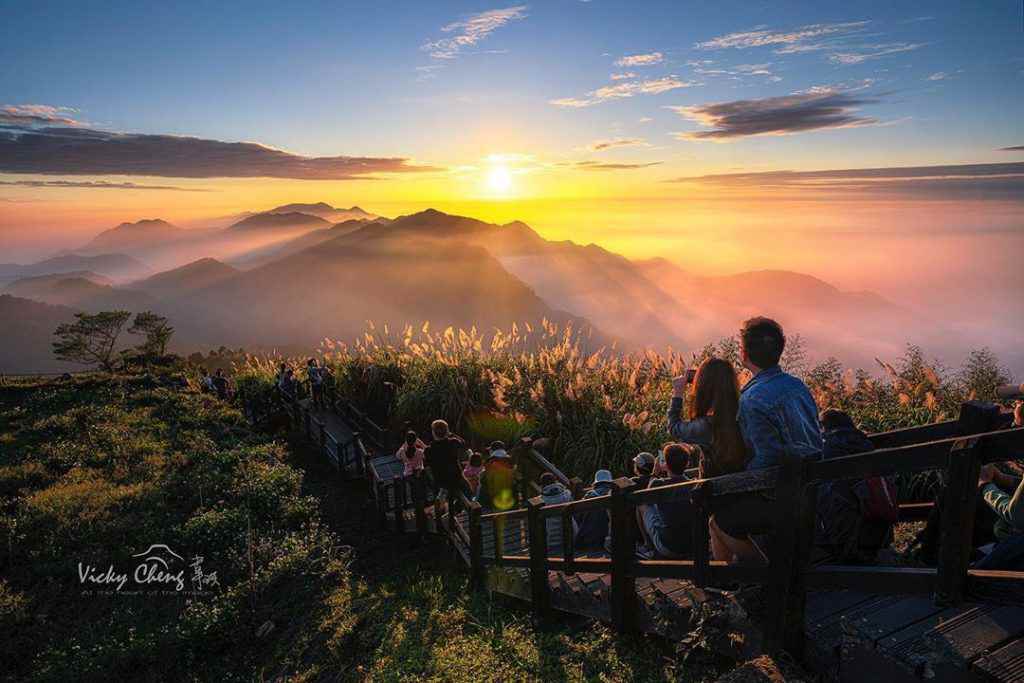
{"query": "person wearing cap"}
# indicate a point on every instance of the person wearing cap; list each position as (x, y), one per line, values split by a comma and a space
(553, 492)
(668, 527)
(592, 525)
(643, 472)
(497, 485)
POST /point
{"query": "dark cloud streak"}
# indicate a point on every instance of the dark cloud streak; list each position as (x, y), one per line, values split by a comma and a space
(84, 151)
(776, 115)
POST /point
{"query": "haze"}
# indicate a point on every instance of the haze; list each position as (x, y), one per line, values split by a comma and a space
(875, 147)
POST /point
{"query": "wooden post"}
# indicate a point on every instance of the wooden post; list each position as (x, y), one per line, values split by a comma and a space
(568, 541)
(957, 523)
(540, 590)
(783, 615)
(419, 502)
(476, 546)
(701, 535)
(382, 504)
(399, 486)
(623, 588)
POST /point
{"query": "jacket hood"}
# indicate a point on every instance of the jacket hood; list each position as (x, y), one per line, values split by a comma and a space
(552, 490)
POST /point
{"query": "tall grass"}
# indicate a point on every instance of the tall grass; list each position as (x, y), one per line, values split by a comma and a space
(600, 408)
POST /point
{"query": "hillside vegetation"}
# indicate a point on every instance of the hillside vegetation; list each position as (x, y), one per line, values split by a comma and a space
(98, 469)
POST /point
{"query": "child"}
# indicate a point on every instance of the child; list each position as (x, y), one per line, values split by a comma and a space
(410, 453)
(472, 473)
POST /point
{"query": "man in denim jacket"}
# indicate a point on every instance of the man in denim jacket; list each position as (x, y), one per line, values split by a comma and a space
(776, 413)
(776, 409)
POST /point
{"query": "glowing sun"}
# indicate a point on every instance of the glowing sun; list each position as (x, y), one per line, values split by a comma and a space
(499, 179)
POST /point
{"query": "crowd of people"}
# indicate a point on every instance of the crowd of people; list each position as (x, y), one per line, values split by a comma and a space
(717, 428)
(319, 377)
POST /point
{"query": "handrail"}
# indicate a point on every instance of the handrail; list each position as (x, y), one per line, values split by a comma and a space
(789, 573)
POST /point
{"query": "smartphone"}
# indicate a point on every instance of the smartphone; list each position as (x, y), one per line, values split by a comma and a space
(691, 373)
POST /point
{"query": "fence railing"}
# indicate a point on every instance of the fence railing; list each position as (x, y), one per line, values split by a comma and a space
(959, 447)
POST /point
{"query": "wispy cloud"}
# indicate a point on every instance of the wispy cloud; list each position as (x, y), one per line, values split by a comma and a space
(1015, 148)
(1000, 181)
(738, 72)
(623, 76)
(471, 30)
(99, 184)
(873, 52)
(938, 76)
(36, 115)
(761, 36)
(775, 115)
(648, 59)
(603, 166)
(624, 89)
(26, 147)
(602, 145)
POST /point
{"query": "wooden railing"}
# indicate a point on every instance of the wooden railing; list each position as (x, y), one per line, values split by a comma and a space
(788, 574)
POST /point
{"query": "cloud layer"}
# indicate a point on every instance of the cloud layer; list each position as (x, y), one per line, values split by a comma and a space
(98, 184)
(775, 115)
(998, 181)
(83, 151)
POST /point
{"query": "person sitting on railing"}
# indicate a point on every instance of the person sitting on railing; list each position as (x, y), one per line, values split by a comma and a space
(712, 424)
(410, 454)
(553, 492)
(777, 414)
(473, 472)
(442, 457)
(995, 485)
(592, 525)
(668, 527)
(854, 516)
(643, 471)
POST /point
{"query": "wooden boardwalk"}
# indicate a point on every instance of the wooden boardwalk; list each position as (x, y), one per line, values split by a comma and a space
(851, 636)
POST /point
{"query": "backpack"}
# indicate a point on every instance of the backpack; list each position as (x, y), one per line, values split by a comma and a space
(877, 497)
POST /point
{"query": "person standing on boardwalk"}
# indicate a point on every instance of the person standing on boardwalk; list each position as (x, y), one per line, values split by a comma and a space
(443, 457)
(316, 383)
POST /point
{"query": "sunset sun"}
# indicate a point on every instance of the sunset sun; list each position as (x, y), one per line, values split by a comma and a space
(499, 179)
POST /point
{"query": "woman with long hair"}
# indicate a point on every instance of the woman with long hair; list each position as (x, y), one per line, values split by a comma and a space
(712, 424)
(713, 427)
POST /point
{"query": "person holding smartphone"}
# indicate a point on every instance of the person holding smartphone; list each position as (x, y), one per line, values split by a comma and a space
(712, 421)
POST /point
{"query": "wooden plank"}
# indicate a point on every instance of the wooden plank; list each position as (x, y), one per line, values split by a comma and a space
(1004, 664)
(915, 435)
(822, 604)
(909, 580)
(891, 615)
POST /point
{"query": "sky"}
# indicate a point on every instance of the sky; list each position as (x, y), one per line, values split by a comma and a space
(827, 137)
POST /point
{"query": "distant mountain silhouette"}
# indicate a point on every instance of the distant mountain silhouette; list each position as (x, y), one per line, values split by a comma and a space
(326, 211)
(185, 279)
(277, 250)
(856, 326)
(114, 266)
(143, 235)
(28, 333)
(274, 221)
(58, 288)
(333, 288)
